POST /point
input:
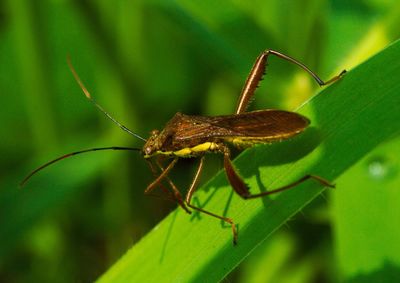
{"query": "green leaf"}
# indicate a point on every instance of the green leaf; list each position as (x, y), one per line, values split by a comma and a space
(350, 118)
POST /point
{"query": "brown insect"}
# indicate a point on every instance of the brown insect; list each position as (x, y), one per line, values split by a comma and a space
(187, 136)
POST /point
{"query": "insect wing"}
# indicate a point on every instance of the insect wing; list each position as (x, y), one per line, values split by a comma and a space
(200, 127)
(266, 123)
(274, 124)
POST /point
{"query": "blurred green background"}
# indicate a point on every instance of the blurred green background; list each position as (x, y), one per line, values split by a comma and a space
(143, 61)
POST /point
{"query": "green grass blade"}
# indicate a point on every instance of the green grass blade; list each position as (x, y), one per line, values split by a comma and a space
(350, 118)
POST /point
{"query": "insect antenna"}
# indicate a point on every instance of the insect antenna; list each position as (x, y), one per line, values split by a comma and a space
(91, 99)
(23, 182)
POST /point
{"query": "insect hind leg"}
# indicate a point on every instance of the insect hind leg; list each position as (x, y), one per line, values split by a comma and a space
(258, 70)
(242, 189)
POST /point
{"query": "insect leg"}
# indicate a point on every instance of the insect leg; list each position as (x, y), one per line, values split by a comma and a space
(241, 188)
(195, 181)
(158, 180)
(234, 179)
(258, 70)
(164, 189)
(176, 195)
(192, 189)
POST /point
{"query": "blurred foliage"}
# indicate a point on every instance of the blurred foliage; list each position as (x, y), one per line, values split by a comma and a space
(74, 220)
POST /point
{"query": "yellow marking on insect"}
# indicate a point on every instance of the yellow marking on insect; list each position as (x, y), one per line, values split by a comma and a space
(183, 152)
(189, 151)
